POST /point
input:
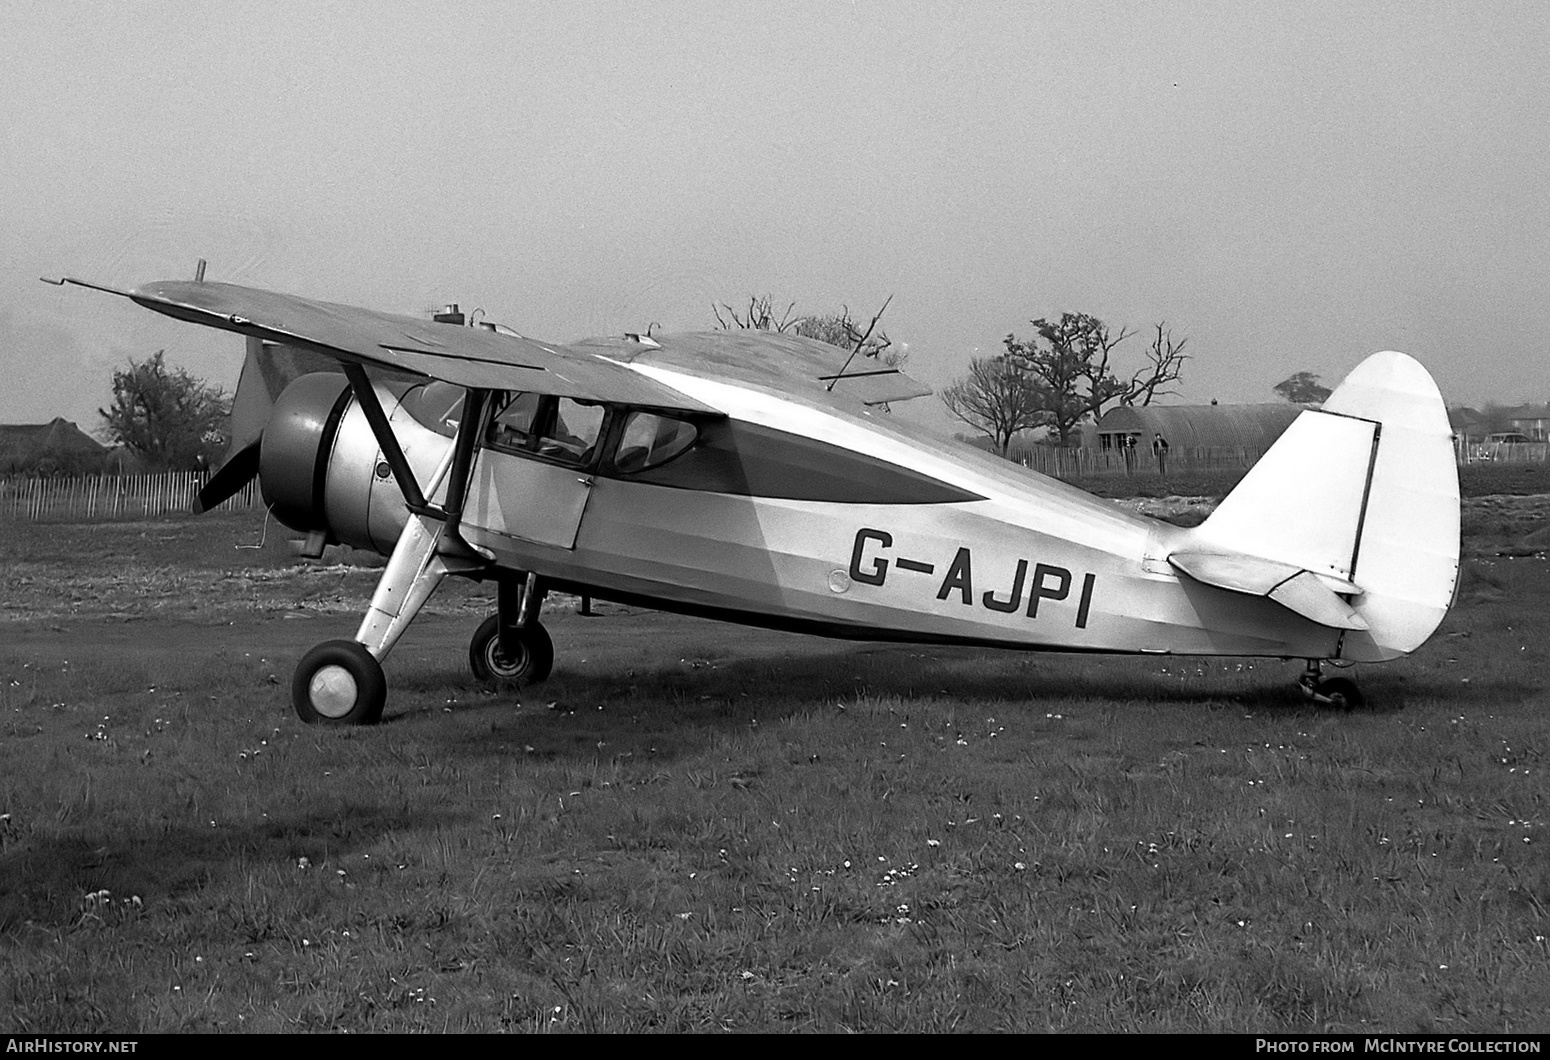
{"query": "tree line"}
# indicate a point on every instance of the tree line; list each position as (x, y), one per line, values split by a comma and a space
(1058, 377)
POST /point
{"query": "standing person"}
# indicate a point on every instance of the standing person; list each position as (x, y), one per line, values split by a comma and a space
(1160, 451)
(1128, 444)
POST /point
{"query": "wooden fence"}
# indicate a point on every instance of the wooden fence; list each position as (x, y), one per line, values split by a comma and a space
(1503, 453)
(107, 497)
(1082, 463)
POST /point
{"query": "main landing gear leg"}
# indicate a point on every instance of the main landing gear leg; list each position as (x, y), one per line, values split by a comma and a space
(512, 646)
(340, 681)
(1338, 692)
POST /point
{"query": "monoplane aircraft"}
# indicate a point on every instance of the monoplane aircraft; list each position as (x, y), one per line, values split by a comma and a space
(754, 477)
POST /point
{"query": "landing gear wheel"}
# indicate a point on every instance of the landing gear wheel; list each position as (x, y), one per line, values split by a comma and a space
(1341, 692)
(339, 683)
(530, 664)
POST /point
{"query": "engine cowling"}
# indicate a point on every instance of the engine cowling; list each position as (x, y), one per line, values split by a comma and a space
(320, 468)
(298, 441)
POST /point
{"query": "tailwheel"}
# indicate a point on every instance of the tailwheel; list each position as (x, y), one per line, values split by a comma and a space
(527, 661)
(339, 682)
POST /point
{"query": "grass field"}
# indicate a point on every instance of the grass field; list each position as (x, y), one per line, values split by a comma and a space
(694, 826)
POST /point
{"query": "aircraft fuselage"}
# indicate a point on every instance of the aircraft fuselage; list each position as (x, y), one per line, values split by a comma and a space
(823, 533)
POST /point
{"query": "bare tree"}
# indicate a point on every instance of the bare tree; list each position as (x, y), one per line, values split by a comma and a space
(837, 329)
(759, 316)
(1071, 362)
(1165, 363)
(999, 397)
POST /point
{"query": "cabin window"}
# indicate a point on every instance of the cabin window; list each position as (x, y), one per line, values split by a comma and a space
(747, 459)
(649, 440)
(560, 429)
(571, 433)
(513, 426)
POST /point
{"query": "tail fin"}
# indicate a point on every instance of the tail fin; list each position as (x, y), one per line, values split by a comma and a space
(1357, 504)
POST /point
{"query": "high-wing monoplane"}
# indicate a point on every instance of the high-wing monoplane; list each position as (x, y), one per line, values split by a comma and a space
(753, 477)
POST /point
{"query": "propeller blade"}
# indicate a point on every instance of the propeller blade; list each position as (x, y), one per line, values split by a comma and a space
(238, 470)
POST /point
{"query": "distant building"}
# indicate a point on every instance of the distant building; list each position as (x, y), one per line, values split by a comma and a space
(1532, 421)
(1469, 426)
(58, 446)
(1192, 426)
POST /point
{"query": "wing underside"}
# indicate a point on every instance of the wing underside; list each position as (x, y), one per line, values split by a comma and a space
(594, 369)
(471, 357)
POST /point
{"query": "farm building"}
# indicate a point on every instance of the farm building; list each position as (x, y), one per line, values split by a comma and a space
(46, 448)
(1197, 426)
(1469, 426)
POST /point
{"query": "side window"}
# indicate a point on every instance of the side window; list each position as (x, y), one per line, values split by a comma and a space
(649, 440)
(513, 426)
(555, 428)
(572, 433)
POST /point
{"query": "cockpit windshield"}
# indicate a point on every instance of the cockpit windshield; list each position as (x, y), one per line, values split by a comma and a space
(436, 405)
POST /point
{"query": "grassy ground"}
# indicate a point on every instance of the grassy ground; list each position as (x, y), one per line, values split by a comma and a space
(698, 826)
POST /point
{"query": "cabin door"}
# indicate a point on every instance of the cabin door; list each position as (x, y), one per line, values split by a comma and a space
(531, 479)
(526, 498)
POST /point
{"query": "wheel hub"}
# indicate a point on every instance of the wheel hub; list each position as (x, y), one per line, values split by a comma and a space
(333, 691)
(502, 663)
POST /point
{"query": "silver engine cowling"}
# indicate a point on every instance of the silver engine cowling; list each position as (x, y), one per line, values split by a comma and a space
(320, 468)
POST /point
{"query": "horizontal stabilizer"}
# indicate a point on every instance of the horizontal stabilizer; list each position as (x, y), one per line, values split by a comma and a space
(1311, 599)
(1313, 596)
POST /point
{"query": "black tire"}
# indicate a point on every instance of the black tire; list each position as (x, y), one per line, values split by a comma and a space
(339, 683)
(1341, 692)
(534, 660)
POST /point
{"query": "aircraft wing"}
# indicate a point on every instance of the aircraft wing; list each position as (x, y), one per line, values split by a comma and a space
(471, 357)
(781, 362)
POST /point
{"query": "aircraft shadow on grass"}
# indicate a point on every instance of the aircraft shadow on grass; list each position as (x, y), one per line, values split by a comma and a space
(656, 715)
(704, 696)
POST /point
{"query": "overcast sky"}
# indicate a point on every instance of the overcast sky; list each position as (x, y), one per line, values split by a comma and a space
(1291, 186)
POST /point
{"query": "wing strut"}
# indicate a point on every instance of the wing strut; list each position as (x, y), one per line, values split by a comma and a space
(392, 452)
(477, 404)
(429, 548)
